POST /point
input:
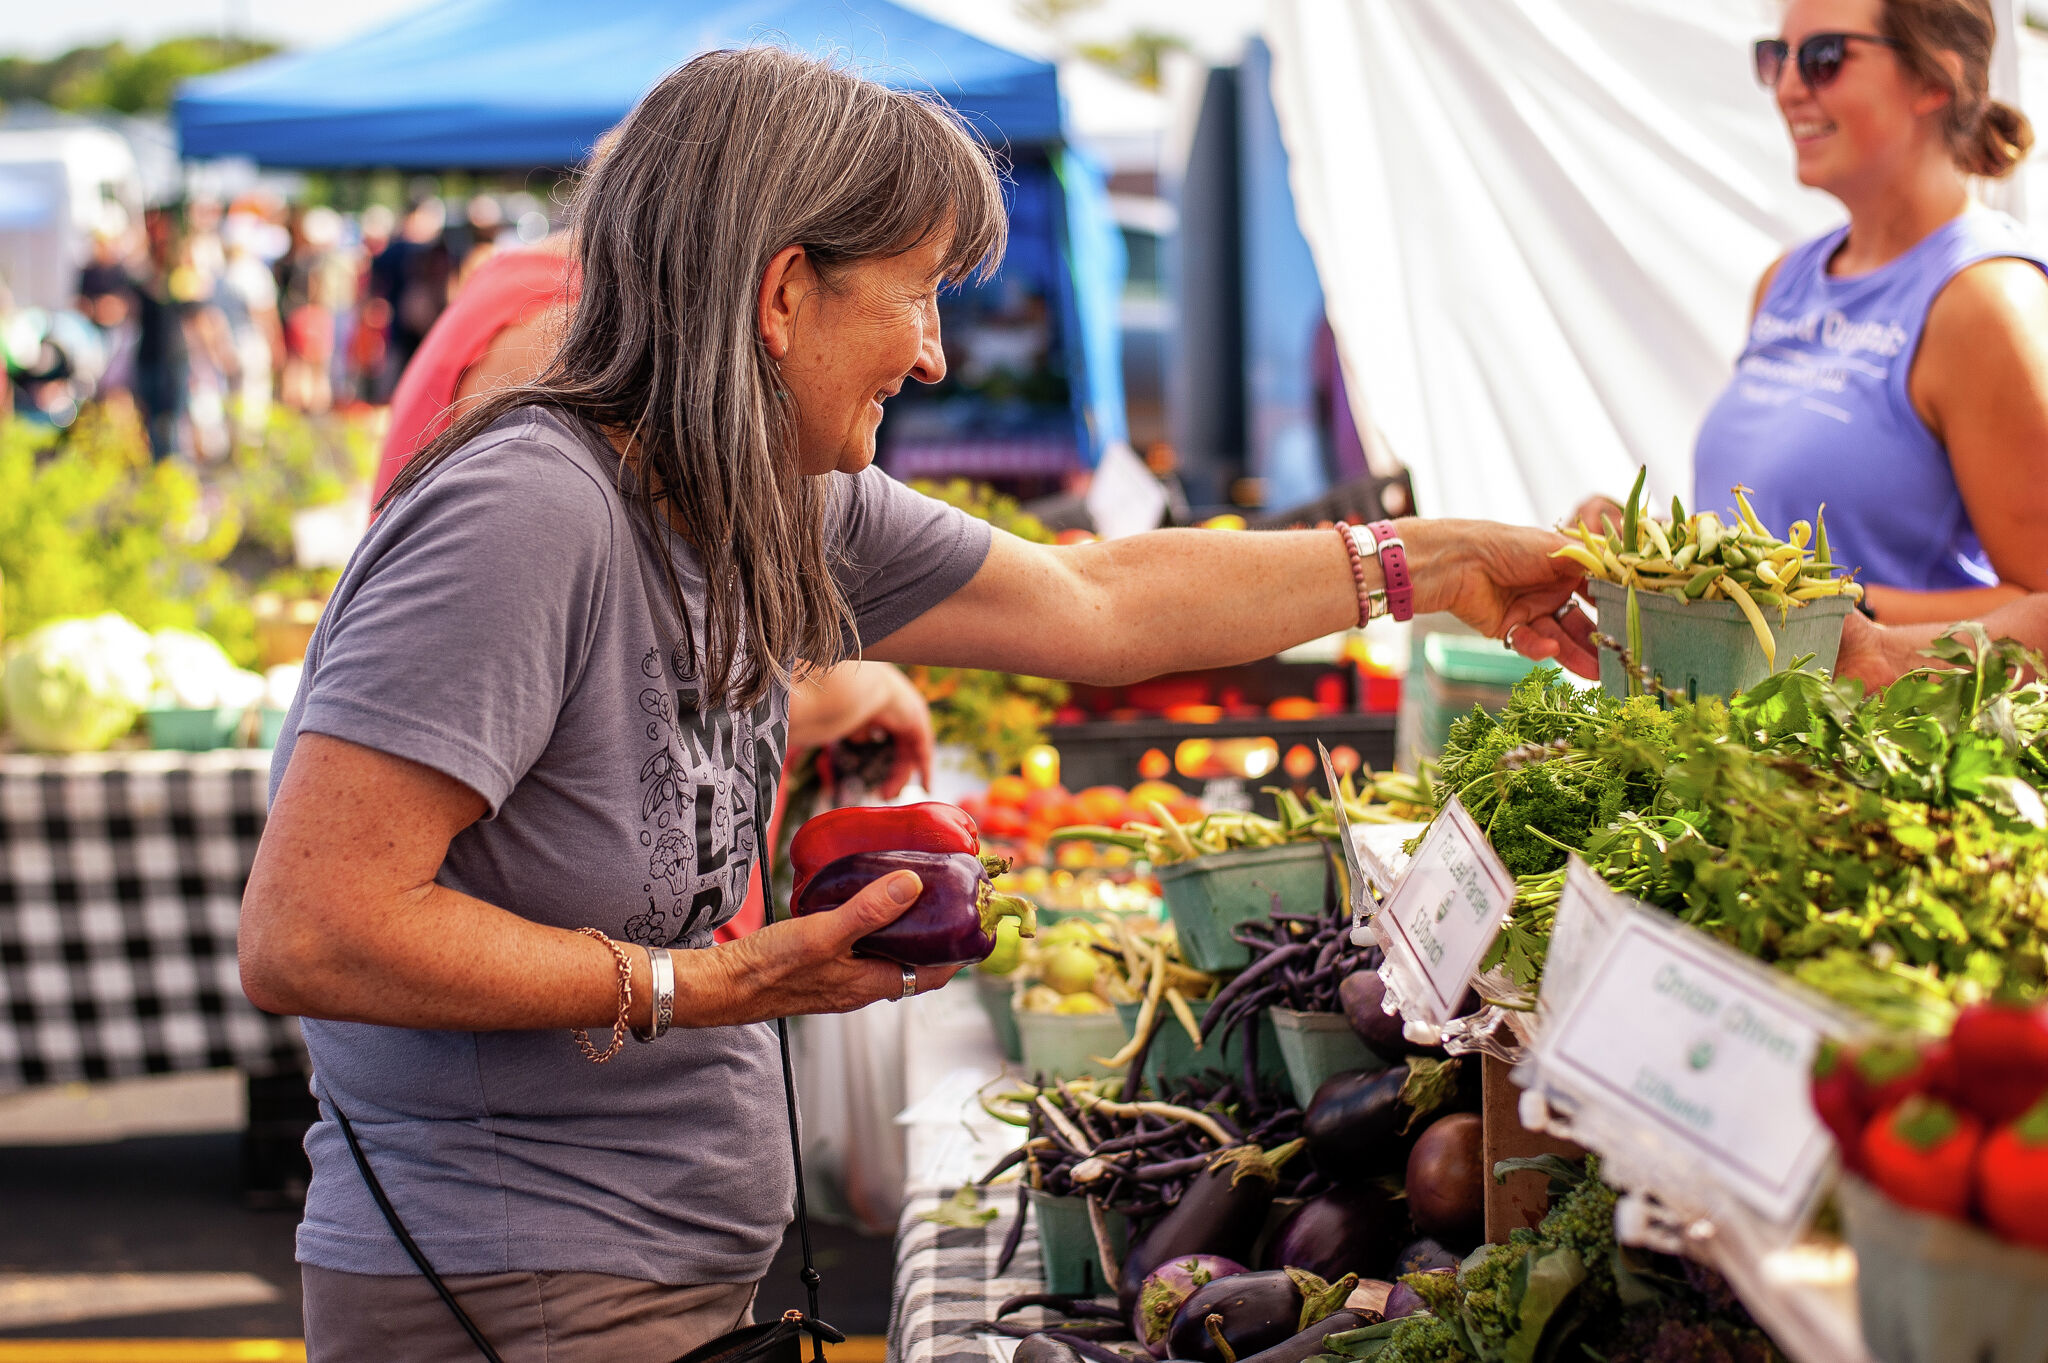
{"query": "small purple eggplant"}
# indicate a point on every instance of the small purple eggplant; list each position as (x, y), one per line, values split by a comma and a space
(1169, 1285)
(1354, 1229)
(1307, 1344)
(953, 921)
(1248, 1313)
(1424, 1256)
(1404, 1301)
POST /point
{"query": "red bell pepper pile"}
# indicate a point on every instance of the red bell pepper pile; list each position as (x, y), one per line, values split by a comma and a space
(1957, 1127)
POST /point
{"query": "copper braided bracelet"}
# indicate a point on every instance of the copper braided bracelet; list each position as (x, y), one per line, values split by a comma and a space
(619, 1028)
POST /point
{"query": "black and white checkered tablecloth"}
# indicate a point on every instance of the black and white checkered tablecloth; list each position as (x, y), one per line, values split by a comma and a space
(121, 880)
(946, 1283)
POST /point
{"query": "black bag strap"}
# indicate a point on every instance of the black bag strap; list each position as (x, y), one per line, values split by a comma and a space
(412, 1249)
(764, 858)
(810, 1324)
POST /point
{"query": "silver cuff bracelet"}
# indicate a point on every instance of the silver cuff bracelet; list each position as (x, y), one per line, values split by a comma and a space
(661, 967)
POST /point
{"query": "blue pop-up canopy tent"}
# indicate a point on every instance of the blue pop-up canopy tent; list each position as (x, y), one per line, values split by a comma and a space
(514, 84)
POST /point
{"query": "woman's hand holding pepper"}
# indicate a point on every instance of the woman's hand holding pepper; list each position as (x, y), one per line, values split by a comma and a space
(803, 965)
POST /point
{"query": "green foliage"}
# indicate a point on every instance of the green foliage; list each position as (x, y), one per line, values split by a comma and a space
(91, 525)
(1889, 850)
(1568, 1289)
(113, 77)
(1138, 57)
(995, 716)
(1526, 776)
(303, 462)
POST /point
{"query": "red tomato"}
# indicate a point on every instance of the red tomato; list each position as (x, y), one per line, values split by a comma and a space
(1005, 821)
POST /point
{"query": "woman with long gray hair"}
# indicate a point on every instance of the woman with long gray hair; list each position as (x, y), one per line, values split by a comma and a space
(518, 791)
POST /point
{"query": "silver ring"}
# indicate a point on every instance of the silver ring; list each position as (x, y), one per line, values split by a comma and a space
(909, 984)
(1562, 611)
(1508, 640)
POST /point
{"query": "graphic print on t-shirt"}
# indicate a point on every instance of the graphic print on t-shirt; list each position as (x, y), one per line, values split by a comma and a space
(710, 769)
(1814, 356)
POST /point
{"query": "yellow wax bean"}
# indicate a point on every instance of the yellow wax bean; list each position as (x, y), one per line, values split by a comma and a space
(1585, 558)
(1756, 620)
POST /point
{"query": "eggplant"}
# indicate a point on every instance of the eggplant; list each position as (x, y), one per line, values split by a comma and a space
(1306, 1344)
(1043, 1348)
(1346, 1230)
(1363, 994)
(1221, 1213)
(1353, 1125)
(1169, 1285)
(952, 922)
(1358, 1125)
(1402, 1302)
(1252, 1312)
(1424, 1256)
(1447, 1180)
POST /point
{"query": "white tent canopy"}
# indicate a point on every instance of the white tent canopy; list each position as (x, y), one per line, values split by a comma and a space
(1538, 225)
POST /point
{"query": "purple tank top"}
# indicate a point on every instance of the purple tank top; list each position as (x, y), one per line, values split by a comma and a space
(1818, 410)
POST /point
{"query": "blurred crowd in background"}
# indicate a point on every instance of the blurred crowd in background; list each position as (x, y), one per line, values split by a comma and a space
(204, 314)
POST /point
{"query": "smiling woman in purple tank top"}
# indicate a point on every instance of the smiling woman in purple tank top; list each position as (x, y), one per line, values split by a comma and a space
(1897, 367)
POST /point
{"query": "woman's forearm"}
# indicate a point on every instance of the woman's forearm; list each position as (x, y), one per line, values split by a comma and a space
(1898, 606)
(344, 918)
(1179, 600)
(433, 959)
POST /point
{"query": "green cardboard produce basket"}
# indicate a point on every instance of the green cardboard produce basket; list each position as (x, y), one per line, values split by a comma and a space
(1707, 648)
(1064, 1045)
(1316, 1046)
(1066, 1243)
(1932, 1290)
(1458, 672)
(271, 724)
(995, 995)
(1173, 1055)
(1209, 896)
(193, 730)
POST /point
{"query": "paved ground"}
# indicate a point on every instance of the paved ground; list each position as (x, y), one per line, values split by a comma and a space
(171, 1204)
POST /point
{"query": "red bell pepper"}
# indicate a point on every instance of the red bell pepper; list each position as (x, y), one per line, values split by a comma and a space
(1923, 1154)
(2012, 1178)
(2001, 1059)
(928, 827)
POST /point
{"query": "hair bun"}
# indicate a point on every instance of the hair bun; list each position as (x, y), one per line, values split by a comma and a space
(2002, 139)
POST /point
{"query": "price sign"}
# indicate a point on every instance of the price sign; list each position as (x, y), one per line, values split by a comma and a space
(1440, 921)
(1685, 1057)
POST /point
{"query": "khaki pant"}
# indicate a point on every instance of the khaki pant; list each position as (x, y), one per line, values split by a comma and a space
(527, 1317)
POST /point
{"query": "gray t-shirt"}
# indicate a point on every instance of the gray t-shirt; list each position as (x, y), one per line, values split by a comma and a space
(508, 624)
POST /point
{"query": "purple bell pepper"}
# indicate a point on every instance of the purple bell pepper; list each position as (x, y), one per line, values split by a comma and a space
(953, 921)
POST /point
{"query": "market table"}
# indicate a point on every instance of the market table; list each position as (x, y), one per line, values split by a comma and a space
(945, 1276)
(121, 880)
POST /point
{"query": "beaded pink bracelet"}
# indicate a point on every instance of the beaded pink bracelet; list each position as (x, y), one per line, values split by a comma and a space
(1350, 537)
